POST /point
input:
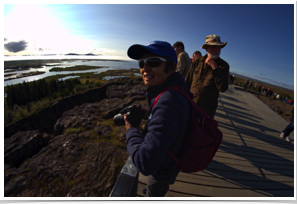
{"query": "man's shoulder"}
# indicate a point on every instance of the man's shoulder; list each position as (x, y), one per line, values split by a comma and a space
(184, 53)
(223, 62)
(198, 60)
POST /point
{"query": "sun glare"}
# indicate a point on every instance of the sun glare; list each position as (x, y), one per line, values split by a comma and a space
(36, 25)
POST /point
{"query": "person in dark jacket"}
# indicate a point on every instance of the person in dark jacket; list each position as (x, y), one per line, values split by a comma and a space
(166, 123)
(209, 75)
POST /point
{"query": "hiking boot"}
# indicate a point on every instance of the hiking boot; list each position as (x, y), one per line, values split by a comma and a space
(288, 139)
(282, 135)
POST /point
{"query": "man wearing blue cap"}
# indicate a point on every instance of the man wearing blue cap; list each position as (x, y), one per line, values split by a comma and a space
(209, 75)
(167, 121)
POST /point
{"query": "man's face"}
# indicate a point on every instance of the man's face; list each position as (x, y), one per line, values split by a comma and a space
(196, 55)
(178, 50)
(213, 51)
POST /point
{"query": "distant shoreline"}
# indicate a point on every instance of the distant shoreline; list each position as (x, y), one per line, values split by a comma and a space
(25, 75)
(38, 63)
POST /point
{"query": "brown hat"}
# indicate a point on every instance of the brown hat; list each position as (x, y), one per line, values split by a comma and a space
(213, 40)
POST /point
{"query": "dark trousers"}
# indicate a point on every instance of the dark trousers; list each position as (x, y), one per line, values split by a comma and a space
(289, 128)
(158, 188)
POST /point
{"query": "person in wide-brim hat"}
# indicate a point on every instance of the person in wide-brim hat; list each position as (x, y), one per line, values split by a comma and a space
(213, 40)
(209, 75)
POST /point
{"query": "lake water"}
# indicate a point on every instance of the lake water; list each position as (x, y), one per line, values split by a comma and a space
(110, 65)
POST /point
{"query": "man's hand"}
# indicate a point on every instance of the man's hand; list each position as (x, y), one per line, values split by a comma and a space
(211, 62)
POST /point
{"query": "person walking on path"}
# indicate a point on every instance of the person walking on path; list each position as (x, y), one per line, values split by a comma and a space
(259, 88)
(255, 86)
(263, 89)
(251, 84)
(183, 59)
(286, 132)
(246, 84)
(209, 75)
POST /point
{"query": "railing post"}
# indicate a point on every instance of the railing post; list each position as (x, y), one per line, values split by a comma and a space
(126, 185)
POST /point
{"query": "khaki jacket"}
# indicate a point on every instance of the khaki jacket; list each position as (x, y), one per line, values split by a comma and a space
(183, 63)
(205, 83)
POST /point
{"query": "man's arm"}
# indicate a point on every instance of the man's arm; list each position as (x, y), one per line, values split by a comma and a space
(220, 71)
(221, 76)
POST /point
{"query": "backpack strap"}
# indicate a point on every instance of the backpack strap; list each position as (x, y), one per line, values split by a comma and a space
(182, 91)
(178, 89)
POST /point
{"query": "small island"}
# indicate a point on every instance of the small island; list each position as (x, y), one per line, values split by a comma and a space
(75, 68)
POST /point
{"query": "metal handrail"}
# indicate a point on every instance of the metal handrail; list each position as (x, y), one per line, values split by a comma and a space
(126, 185)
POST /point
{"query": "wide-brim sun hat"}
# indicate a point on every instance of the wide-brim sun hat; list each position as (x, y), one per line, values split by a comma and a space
(213, 40)
(161, 48)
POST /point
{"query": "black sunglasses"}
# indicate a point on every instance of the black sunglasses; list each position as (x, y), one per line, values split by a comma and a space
(152, 62)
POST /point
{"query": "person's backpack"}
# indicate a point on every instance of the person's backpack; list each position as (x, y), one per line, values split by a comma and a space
(202, 138)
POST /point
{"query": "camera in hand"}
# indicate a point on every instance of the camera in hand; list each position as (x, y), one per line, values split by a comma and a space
(134, 115)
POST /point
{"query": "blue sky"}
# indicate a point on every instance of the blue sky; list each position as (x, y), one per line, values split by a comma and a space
(260, 37)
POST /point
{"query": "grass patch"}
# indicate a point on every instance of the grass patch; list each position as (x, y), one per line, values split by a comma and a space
(73, 130)
(111, 139)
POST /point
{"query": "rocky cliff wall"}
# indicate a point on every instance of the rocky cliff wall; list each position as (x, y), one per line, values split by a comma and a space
(45, 119)
(83, 152)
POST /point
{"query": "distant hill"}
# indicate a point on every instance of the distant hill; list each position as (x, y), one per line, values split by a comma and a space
(82, 54)
(263, 82)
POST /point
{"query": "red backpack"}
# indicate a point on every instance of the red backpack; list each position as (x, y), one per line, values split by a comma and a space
(202, 139)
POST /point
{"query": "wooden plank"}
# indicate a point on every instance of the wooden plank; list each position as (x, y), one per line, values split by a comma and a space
(274, 193)
(217, 173)
(201, 190)
(253, 170)
(275, 140)
(182, 189)
(171, 193)
(288, 155)
(243, 157)
(248, 164)
(267, 148)
(242, 123)
(255, 134)
(252, 161)
(243, 140)
(142, 186)
(254, 152)
(229, 183)
(273, 136)
(270, 137)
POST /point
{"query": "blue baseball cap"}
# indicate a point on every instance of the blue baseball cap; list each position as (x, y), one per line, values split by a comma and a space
(161, 48)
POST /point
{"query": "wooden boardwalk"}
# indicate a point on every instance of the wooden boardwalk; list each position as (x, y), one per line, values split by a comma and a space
(252, 161)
